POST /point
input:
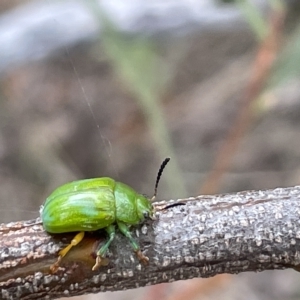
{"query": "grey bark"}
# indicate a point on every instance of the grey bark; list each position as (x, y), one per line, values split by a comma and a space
(203, 237)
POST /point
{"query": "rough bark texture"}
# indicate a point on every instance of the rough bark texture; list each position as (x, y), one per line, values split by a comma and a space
(209, 235)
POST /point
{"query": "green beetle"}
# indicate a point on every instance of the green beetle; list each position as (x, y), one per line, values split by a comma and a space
(93, 204)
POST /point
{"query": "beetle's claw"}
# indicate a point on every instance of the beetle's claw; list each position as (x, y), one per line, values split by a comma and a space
(153, 217)
(97, 265)
(55, 266)
(100, 261)
(142, 258)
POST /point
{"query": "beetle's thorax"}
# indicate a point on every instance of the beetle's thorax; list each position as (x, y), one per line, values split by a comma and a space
(131, 207)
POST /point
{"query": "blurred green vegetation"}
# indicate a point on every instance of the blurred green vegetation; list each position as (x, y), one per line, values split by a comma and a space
(137, 61)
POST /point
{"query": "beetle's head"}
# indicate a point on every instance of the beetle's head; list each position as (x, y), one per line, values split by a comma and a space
(144, 207)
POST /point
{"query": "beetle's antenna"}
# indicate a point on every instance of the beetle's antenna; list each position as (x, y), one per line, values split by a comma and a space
(162, 166)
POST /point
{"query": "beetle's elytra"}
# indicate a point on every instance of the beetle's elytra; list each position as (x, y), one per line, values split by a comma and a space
(93, 204)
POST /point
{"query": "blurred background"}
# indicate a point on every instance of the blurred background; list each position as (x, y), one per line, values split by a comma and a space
(110, 88)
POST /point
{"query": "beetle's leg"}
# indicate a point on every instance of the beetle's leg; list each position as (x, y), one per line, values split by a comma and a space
(75, 241)
(111, 231)
(125, 230)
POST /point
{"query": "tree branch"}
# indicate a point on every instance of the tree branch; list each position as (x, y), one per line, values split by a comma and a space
(209, 235)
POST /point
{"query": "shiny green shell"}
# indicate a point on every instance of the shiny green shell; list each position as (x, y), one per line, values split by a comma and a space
(92, 204)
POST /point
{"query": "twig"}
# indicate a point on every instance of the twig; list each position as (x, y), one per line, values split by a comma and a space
(209, 235)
